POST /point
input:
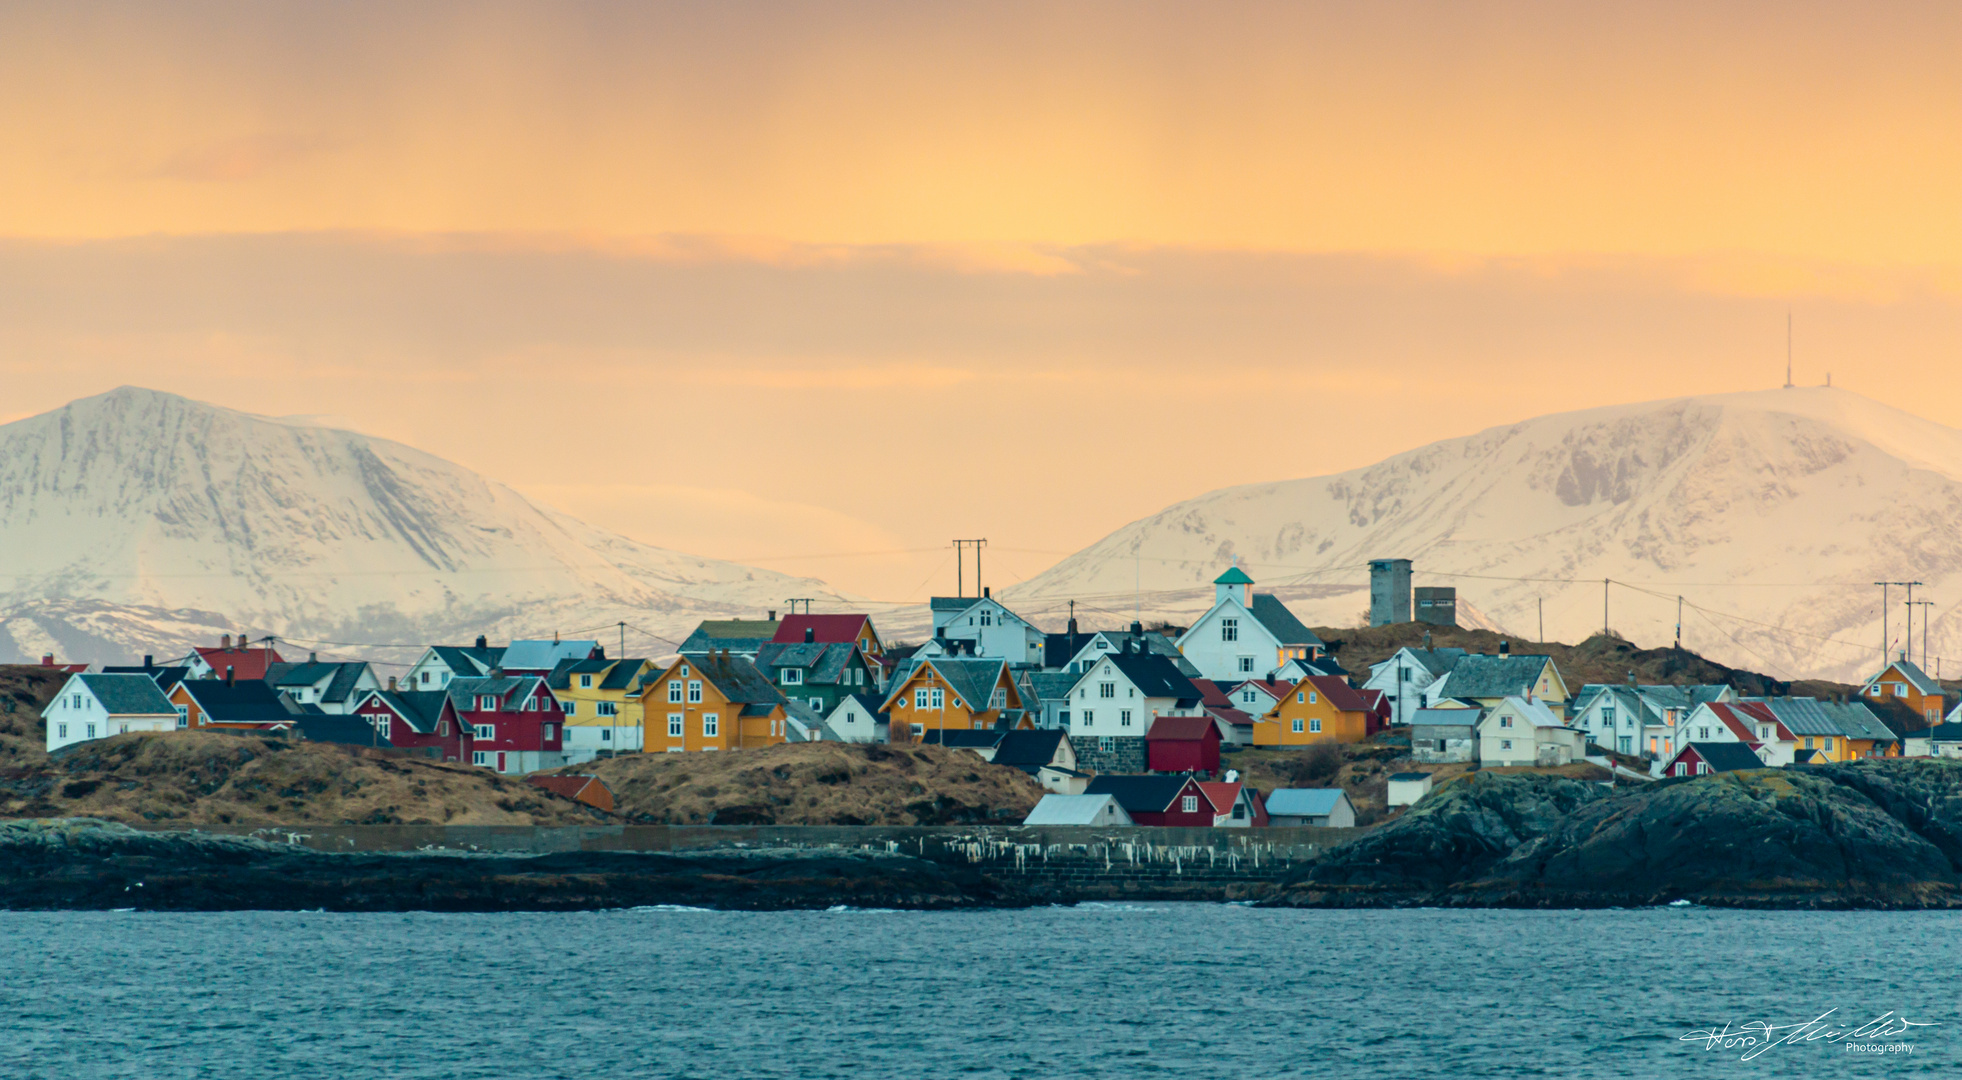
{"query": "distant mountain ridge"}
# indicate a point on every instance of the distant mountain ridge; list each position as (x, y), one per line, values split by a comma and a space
(1778, 506)
(142, 521)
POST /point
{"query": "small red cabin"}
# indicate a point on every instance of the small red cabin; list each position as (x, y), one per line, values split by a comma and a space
(1158, 800)
(1183, 744)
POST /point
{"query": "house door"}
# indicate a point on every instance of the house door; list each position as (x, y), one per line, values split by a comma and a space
(500, 761)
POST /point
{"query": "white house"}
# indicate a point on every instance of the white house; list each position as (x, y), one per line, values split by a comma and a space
(1641, 720)
(857, 718)
(334, 687)
(1525, 731)
(1257, 697)
(1077, 810)
(1102, 642)
(1408, 788)
(997, 633)
(1244, 634)
(1122, 692)
(441, 663)
(1405, 676)
(98, 706)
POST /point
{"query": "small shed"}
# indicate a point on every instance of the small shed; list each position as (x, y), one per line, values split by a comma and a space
(590, 790)
(1327, 808)
(1407, 788)
(1077, 810)
(1183, 744)
(1703, 758)
(1444, 736)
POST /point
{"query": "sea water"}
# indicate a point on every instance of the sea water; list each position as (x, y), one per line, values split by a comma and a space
(1125, 990)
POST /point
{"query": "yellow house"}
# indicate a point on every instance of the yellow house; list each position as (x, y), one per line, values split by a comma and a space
(1319, 708)
(1489, 679)
(602, 704)
(710, 701)
(1904, 681)
(941, 693)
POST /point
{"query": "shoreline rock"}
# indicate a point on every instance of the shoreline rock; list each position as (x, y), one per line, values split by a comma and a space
(1884, 834)
(73, 864)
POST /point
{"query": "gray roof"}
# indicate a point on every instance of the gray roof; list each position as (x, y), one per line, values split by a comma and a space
(1029, 750)
(619, 674)
(737, 635)
(129, 695)
(1304, 802)
(737, 679)
(1856, 721)
(868, 702)
(1407, 777)
(1800, 715)
(1280, 622)
(1915, 676)
(951, 603)
(340, 677)
(1725, 756)
(972, 681)
(543, 656)
(247, 701)
(468, 659)
(464, 692)
(1437, 661)
(166, 677)
(1048, 685)
(1446, 717)
(823, 662)
(1070, 810)
(1485, 676)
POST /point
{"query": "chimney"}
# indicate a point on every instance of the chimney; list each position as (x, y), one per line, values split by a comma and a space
(1505, 648)
(773, 616)
(1137, 628)
(225, 642)
(391, 684)
(47, 659)
(313, 658)
(149, 661)
(230, 675)
(599, 652)
(1072, 626)
(242, 643)
(810, 634)
(481, 643)
(1631, 678)
(1427, 641)
(986, 592)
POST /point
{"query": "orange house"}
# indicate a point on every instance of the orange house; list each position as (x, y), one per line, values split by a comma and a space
(1903, 681)
(941, 693)
(1319, 708)
(710, 701)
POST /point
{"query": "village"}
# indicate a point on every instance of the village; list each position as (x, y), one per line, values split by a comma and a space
(1136, 726)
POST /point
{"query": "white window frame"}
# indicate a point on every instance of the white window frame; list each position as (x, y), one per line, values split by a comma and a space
(675, 722)
(1505, 744)
(480, 757)
(1297, 725)
(484, 731)
(585, 682)
(1123, 718)
(572, 708)
(1229, 629)
(711, 726)
(183, 715)
(938, 698)
(920, 697)
(674, 691)
(793, 676)
(1315, 726)
(605, 708)
(694, 691)
(1189, 804)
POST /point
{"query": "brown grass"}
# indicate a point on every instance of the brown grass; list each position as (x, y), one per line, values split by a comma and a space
(204, 778)
(25, 689)
(818, 784)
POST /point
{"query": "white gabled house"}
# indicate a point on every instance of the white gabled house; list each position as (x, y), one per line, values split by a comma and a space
(1525, 731)
(439, 664)
(996, 632)
(1245, 634)
(98, 706)
(1405, 676)
(856, 718)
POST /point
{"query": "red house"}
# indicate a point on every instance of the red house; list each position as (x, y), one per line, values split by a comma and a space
(830, 630)
(510, 723)
(1183, 744)
(238, 662)
(1377, 718)
(414, 719)
(1158, 800)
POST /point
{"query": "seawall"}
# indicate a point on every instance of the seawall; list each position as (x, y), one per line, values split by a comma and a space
(1058, 863)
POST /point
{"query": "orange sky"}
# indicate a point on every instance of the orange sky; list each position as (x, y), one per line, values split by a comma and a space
(1111, 255)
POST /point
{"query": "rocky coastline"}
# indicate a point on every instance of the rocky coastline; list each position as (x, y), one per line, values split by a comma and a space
(1883, 834)
(76, 864)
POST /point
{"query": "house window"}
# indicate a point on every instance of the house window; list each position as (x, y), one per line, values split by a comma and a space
(183, 716)
(572, 708)
(1247, 696)
(1808, 742)
(1505, 721)
(600, 708)
(694, 691)
(1314, 726)
(1106, 743)
(987, 618)
(684, 671)
(61, 731)
(425, 678)
(484, 731)
(711, 725)
(817, 704)
(1239, 811)
(1124, 718)
(487, 703)
(74, 701)
(674, 691)
(479, 757)
(1297, 725)
(1063, 717)
(998, 699)
(1089, 718)
(1682, 768)
(381, 726)
(1246, 663)
(793, 676)
(1702, 768)
(1107, 690)
(1312, 699)
(1702, 732)
(674, 725)
(1229, 629)
(1829, 745)
(91, 731)
(1189, 804)
(586, 682)
(606, 734)
(1299, 698)
(920, 697)
(937, 697)
(443, 728)
(1608, 715)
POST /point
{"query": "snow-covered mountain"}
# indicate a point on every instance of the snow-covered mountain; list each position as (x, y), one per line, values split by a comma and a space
(1778, 507)
(138, 521)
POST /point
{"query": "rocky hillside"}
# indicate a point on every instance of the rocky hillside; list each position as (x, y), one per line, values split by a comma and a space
(204, 778)
(818, 784)
(25, 689)
(1875, 834)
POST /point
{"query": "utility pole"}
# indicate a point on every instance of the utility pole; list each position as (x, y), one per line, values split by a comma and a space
(960, 570)
(1925, 605)
(621, 659)
(796, 600)
(1539, 602)
(1604, 607)
(1679, 622)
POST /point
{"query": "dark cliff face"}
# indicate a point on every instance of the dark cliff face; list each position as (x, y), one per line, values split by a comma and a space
(80, 864)
(1866, 834)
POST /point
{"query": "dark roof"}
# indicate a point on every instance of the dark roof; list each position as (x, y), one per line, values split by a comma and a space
(165, 677)
(824, 662)
(1726, 756)
(825, 629)
(420, 709)
(736, 678)
(128, 694)
(340, 677)
(1438, 661)
(468, 659)
(1181, 728)
(464, 692)
(1951, 732)
(1482, 675)
(1155, 676)
(1338, 692)
(1410, 776)
(246, 701)
(760, 708)
(973, 681)
(350, 730)
(1029, 750)
(737, 635)
(870, 703)
(1047, 685)
(619, 674)
(1057, 649)
(951, 603)
(1141, 794)
(962, 738)
(560, 677)
(1281, 622)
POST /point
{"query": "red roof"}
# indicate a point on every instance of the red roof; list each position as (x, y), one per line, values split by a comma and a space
(1337, 690)
(1211, 694)
(586, 789)
(1275, 688)
(1232, 716)
(1181, 727)
(1740, 726)
(246, 662)
(1222, 795)
(825, 629)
